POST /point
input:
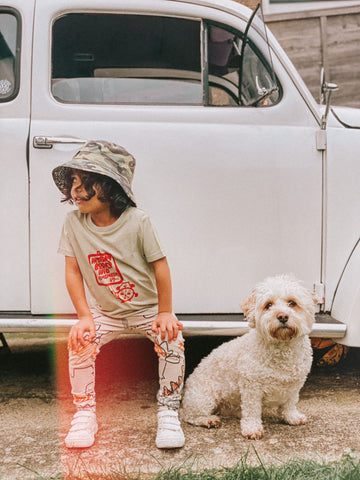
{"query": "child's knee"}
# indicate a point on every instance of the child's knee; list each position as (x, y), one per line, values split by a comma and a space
(180, 342)
(85, 355)
(174, 342)
(170, 349)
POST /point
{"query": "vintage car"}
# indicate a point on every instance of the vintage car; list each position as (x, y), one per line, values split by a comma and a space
(243, 173)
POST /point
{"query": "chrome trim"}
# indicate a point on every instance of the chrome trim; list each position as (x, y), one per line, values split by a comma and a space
(48, 142)
(211, 325)
(204, 63)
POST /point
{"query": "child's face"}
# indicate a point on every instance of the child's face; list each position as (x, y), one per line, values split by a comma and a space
(80, 198)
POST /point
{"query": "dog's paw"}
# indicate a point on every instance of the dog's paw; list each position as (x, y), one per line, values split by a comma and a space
(253, 435)
(295, 418)
(207, 421)
(252, 431)
(213, 421)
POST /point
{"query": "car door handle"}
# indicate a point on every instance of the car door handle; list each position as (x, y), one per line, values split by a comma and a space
(49, 142)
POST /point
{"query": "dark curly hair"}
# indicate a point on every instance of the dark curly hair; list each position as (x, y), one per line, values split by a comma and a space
(110, 191)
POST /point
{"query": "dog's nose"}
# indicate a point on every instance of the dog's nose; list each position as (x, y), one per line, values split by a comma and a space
(282, 317)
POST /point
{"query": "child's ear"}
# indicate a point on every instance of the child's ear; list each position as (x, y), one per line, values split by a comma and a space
(248, 307)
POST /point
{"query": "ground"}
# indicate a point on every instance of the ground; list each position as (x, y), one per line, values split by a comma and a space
(36, 409)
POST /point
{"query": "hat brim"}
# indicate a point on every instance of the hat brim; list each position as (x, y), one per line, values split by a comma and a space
(59, 175)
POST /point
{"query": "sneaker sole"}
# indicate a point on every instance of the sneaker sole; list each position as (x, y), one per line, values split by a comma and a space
(81, 444)
(168, 444)
(75, 444)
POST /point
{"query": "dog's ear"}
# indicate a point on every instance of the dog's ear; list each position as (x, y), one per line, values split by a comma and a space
(248, 307)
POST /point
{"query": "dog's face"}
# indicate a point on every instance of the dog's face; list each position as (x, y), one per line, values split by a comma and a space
(281, 308)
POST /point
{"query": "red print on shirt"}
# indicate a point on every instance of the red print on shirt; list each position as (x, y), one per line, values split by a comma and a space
(108, 275)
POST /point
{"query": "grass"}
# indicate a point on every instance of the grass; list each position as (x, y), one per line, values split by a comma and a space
(347, 468)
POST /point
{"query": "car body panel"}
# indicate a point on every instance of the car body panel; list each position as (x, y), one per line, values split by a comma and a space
(237, 193)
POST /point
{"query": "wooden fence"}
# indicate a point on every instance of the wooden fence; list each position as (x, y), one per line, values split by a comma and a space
(328, 38)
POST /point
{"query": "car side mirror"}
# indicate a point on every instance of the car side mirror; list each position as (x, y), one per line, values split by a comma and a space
(326, 90)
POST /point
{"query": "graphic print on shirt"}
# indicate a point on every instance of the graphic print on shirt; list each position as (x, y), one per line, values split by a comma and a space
(108, 275)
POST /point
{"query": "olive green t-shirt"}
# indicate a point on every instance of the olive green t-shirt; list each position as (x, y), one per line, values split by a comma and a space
(115, 261)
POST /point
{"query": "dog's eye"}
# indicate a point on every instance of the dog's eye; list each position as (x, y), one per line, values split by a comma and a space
(268, 305)
(291, 303)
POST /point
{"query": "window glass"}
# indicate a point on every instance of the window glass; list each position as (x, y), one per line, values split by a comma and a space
(237, 73)
(8, 55)
(126, 59)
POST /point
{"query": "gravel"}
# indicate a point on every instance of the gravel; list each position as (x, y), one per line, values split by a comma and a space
(36, 409)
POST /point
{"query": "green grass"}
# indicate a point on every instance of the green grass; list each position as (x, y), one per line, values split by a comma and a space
(347, 468)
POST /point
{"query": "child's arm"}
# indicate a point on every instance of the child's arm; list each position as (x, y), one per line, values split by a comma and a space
(166, 320)
(75, 286)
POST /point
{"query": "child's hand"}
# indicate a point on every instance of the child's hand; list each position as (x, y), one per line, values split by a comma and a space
(81, 334)
(167, 323)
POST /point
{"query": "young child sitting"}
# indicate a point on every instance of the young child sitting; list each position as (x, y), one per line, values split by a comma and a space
(111, 245)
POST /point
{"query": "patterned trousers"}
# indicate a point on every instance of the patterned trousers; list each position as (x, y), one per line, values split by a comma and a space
(170, 355)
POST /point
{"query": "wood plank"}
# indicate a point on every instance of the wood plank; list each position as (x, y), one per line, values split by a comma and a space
(280, 17)
(328, 37)
(301, 40)
(338, 49)
(324, 46)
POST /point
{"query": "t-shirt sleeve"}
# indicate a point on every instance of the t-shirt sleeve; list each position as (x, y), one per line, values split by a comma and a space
(152, 247)
(65, 247)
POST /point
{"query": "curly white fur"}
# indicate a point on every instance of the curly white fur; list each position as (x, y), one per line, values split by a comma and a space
(269, 364)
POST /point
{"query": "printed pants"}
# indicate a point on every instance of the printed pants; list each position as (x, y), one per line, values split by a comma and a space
(170, 355)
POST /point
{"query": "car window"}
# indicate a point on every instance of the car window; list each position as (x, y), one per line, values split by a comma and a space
(126, 59)
(9, 57)
(240, 69)
(154, 60)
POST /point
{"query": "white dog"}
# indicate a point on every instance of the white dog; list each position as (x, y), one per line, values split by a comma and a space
(270, 363)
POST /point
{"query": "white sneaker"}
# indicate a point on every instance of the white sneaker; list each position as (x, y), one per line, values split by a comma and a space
(82, 431)
(169, 434)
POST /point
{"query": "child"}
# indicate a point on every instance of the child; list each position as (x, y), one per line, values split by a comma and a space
(111, 245)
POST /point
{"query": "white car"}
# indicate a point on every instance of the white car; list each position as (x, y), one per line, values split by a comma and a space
(243, 173)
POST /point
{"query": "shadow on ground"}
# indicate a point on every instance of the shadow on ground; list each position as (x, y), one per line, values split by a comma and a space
(36, 409)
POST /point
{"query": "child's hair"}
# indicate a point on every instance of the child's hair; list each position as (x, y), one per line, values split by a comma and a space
(110, 190)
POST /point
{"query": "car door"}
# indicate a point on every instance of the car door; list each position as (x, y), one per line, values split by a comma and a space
(233, 183)
(15, 50)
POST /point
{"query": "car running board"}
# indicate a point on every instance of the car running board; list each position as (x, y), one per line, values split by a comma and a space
(194, 325)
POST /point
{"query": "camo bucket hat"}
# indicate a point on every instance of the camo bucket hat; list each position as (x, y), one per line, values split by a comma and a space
(105, 158)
